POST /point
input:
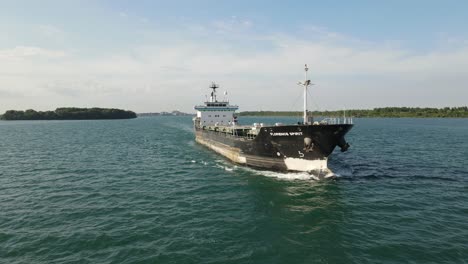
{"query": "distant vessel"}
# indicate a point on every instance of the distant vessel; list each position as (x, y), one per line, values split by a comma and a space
(304, 146)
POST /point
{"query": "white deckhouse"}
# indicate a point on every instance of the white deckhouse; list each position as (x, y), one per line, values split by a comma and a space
(214, 112)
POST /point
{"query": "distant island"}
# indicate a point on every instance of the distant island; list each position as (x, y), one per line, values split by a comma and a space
(173, 113)
(376, 112)
(69, 113)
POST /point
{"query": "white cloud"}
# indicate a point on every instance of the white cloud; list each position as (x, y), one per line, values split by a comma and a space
(232, 25)
(159, 76)
(21, 52)
(50, 30)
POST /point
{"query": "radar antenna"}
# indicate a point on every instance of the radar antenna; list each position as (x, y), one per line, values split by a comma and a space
(213, 86)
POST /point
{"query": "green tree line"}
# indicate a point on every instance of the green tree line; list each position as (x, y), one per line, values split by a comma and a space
(69, 113)
(376, 112)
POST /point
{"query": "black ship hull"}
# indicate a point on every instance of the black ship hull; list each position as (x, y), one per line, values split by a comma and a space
(279, 148)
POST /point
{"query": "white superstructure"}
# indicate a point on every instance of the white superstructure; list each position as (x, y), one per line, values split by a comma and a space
(215, 112)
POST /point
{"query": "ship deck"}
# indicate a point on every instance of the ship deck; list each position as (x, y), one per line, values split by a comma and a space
(251, 131)
(238, 130)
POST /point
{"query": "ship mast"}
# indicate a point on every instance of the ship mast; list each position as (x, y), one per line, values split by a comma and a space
(213, 86)
(306, 84)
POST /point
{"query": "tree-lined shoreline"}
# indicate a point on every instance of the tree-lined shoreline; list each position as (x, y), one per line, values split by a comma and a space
(74, 113)
(399, 112)
(69, 113)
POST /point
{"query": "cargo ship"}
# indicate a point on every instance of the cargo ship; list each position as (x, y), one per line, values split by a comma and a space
(304, 146)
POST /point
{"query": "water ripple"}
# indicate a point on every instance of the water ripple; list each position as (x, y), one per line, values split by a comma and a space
(137, 191)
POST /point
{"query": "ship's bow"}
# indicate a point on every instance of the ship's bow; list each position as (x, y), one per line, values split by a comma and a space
(303, 147)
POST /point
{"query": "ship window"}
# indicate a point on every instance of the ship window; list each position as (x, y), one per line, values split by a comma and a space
(209, 115)
(224, 115)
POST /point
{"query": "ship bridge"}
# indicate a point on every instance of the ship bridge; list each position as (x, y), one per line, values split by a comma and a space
(214, 112)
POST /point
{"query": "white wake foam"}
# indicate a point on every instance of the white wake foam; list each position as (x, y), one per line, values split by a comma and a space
(288, 175)
(306, 176)
(225, 165)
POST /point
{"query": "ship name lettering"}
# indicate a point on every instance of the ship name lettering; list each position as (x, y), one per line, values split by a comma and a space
(275, 134)
(295, 133)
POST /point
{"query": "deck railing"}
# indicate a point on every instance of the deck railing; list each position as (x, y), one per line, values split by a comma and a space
(335, 121)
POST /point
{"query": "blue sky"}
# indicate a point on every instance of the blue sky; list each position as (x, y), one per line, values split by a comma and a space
(161, 55)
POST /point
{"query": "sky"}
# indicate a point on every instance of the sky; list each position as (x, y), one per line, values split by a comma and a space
(152, 56)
